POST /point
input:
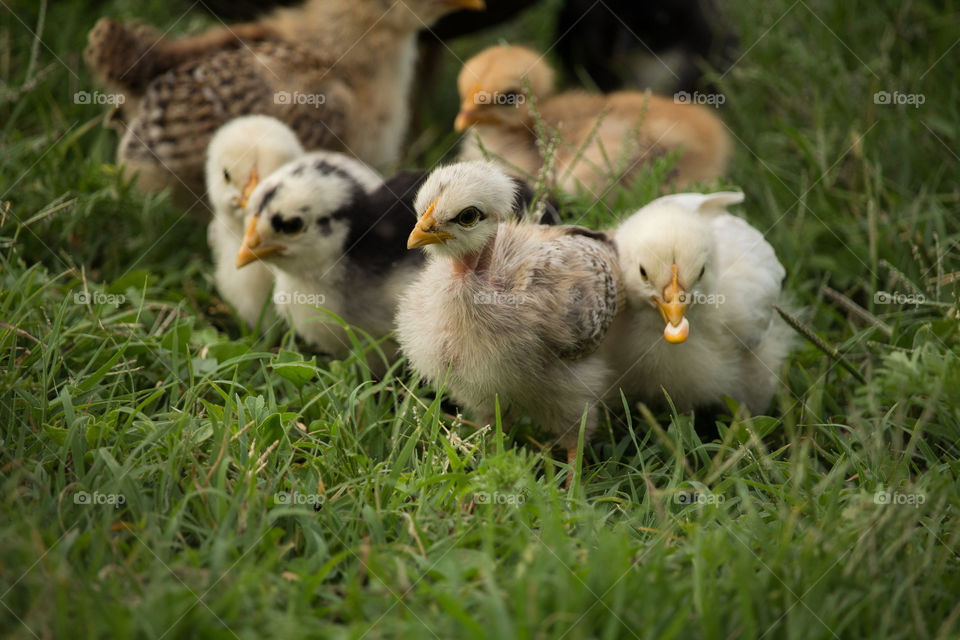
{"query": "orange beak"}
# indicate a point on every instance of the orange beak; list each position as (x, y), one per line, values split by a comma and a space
(425, 232)
(472, 113)
(672, 306)
(248, 188)
(252, 248)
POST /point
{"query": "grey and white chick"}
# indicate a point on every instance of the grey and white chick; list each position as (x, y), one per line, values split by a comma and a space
(242, 152)
(506, 310)
(701, 284)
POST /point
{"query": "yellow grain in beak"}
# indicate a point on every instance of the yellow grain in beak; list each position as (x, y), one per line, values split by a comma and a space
(425, 232)
(672, 307)
(252, 248)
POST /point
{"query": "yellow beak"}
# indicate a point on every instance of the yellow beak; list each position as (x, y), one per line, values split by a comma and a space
(252, 247)
(248, 188)
(464, 119)
(672, 306)
(471, 113)
(473, 5)
(425, 232)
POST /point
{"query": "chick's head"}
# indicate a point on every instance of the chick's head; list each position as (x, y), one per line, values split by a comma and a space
(299, 217)
(240, 154)
(459, 207)
(667, 256)
(496, 86)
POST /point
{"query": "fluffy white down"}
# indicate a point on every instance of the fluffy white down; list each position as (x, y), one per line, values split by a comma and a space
(237, 148)
(311, 275)
(508, 311)
(737, 343)
(481, 337)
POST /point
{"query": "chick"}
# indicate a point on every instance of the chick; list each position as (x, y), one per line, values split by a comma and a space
(603, 139)
(333, 233)
(701, 285)
(515, 311)
(241, 152)
(336, 71)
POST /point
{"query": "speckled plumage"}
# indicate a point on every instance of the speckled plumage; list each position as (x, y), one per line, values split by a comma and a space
(336, 71)
(522, 321)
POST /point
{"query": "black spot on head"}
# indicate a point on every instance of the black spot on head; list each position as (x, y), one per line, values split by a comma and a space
(283, 225)
(267, 197)
(325, 225)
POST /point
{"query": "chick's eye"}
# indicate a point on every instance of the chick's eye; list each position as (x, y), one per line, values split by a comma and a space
(226, 176)
(469, 217)
(643, 272)
(703, 270)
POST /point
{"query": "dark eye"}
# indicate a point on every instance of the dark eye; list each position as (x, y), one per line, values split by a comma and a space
(226, 176)
(511, 96)
(280, 225)
(643, 272)
(703, 270)
(469, 217)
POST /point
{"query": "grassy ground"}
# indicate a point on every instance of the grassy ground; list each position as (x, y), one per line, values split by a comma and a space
(150, 447)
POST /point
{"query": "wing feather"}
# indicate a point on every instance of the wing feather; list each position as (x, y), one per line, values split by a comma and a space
(182, 108)
(573, 276)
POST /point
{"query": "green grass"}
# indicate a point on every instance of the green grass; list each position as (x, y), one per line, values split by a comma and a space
(205, 429)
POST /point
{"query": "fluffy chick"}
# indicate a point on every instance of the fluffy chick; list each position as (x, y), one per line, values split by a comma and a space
(701, 285)
(337, 71)
(508, 310)
(242, 152)
(333, 232)
(498, 85)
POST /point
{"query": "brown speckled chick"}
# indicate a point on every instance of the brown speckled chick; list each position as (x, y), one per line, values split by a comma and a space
(508, 310)
(338, 72)
(603, 138)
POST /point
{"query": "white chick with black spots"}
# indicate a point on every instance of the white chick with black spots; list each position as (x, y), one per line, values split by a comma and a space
(701, 284)
(334, 233)
(507, 310)
(241, 153)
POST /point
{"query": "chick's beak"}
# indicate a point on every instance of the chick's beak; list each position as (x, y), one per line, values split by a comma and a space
(249, 187)
(473, 5)
(672, 306)
(425, 232)
(253, 248)
(470, 114)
